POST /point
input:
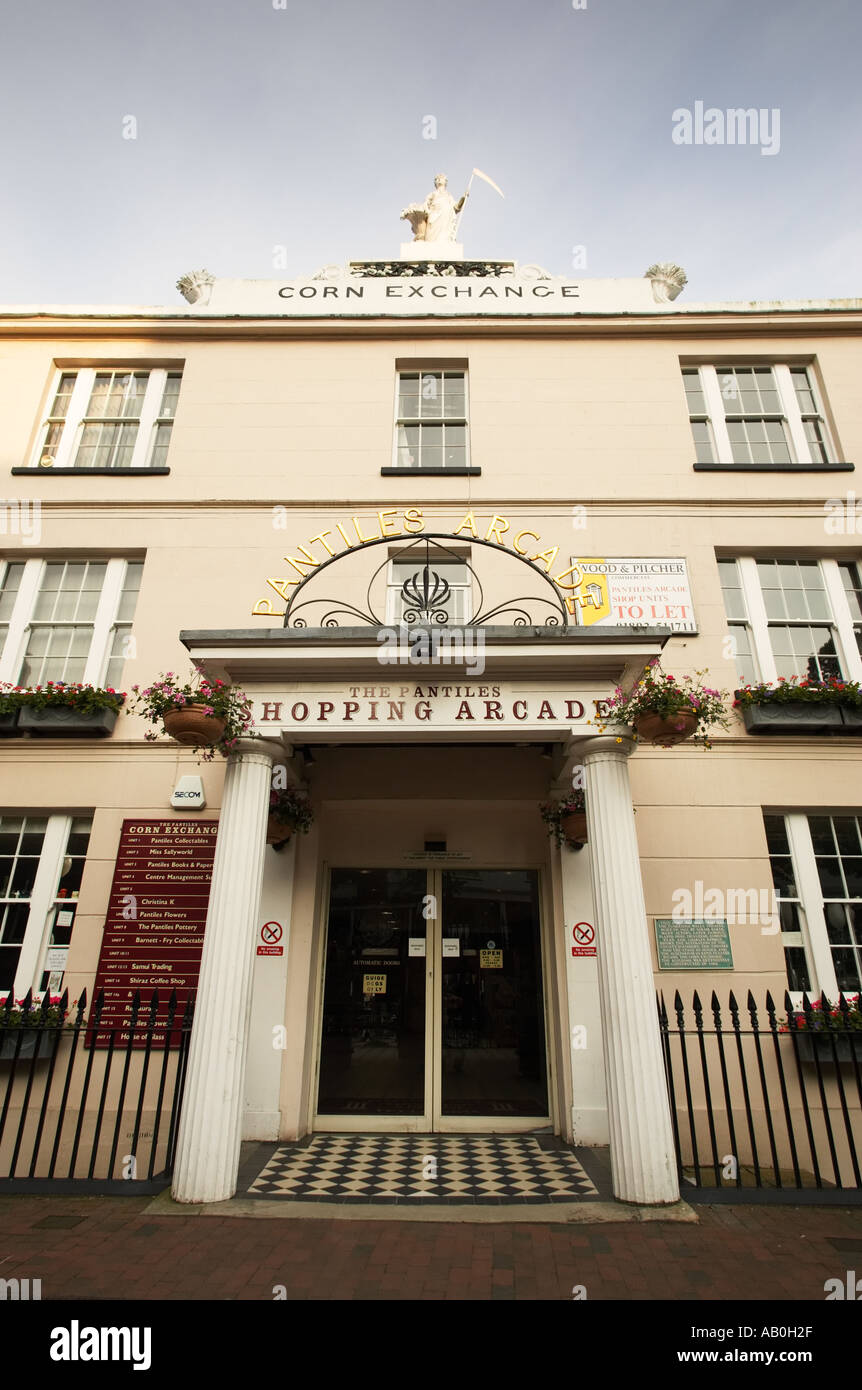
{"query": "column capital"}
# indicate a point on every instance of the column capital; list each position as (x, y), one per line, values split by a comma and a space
(618, 746)
(258, 749)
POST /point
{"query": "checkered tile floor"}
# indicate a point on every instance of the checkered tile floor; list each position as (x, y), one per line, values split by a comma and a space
(418, 1170)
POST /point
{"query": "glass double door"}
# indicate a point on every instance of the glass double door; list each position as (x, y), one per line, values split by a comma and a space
(433, 1000)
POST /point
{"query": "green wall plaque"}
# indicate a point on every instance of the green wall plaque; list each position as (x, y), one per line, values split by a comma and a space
(693, 943)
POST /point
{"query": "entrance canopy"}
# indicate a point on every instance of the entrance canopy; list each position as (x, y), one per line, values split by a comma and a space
(423, 684)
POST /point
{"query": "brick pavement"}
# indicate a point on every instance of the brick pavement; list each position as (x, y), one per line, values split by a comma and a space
(110, 1247)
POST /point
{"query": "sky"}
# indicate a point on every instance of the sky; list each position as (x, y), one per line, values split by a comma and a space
(268, 138)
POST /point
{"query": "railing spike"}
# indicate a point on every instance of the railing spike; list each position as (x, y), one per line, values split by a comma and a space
(770, 1008)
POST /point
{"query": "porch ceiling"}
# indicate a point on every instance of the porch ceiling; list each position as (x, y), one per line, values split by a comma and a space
(614, 655)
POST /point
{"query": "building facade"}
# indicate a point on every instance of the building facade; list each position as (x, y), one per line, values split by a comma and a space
(428, 515)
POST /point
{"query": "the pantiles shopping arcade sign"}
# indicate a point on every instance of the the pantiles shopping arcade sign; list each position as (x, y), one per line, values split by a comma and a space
(446, 706)
(622, 592)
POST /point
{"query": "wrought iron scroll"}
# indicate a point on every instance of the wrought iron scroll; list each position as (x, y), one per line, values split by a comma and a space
(425, 592)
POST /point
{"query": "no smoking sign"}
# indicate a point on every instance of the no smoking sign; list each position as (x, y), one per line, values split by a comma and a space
(270, 934)
(585, 939)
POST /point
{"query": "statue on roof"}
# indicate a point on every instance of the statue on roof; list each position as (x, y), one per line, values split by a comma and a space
(435, 219)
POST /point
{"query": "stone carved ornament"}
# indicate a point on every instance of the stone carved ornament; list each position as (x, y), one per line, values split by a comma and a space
(407, 268)
(667, 280)
(196, 287)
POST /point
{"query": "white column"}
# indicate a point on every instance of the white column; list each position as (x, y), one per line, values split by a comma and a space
(643, 1162)
(589, 1101)
(209, 1137)
(262, 1113)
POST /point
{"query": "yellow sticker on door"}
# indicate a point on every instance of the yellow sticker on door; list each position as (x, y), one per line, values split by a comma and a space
(490, 960)
(373, 984)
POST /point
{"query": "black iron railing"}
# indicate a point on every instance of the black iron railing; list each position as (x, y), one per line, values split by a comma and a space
(89, 1105)
(765, 1103)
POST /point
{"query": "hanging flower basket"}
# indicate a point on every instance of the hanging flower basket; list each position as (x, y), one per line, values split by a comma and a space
(574, 827)
(278, 831)
(289, 811)
(191, 726)
(665, 710)
(203, 714)
(665, 730)
(567, 819)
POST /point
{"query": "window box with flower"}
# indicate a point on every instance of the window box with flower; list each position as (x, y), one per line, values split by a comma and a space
(801, 707)
(31, 1028)
(665, 710)
(825, 1031)
(289, 811)
(58, 710)
(9, 707)
(208, 715)
(567, 819)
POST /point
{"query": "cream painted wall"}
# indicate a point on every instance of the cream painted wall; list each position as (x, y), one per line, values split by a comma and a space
(304, 418)
(592, 415)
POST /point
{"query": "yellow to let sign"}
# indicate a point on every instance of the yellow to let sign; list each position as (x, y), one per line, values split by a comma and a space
(490, 960)
(373, 984)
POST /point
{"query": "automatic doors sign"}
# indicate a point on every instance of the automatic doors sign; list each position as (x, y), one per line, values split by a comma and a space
(585, 939)
(373, 984)
(637, 593)
(270, 934)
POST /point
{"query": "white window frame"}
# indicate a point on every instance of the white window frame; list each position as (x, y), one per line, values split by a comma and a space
(758, 624)
(430, 369)
(103, 623)
(815, 935)
(79, 399)
(43, 897)
(42, 900)
(461, 589)
(716, 415)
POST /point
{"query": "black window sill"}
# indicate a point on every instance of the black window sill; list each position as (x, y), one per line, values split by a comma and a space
(90, 472)
(430, 472)
(774, 467)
